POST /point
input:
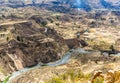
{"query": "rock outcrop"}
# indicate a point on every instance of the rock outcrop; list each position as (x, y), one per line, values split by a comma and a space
(111, 76)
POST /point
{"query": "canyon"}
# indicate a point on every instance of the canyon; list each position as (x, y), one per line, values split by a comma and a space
(43, 40)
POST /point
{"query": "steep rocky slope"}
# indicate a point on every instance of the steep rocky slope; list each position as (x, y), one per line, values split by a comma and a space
(24, 45)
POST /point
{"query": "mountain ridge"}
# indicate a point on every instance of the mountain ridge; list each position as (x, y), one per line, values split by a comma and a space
(81, 4)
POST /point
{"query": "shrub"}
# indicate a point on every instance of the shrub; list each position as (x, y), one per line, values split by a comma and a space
(56, 80)
(98, 80)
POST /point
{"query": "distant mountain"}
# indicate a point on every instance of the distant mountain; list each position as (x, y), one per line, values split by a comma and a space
(94, 4)
(111, 4)
(82, 4)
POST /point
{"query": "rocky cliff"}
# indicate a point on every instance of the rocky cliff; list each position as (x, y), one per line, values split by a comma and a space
(26, 45)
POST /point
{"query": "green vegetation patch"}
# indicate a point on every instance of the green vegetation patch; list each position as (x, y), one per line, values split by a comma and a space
(97, 45)
(71, 76)
(6, 79)
(99, 80)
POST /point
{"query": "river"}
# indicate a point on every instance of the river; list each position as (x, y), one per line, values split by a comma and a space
(63, 60)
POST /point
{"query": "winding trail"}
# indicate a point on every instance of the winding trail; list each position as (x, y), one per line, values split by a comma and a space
(63, 60)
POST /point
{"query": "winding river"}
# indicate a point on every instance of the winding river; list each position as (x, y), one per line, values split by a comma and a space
(63, 60)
